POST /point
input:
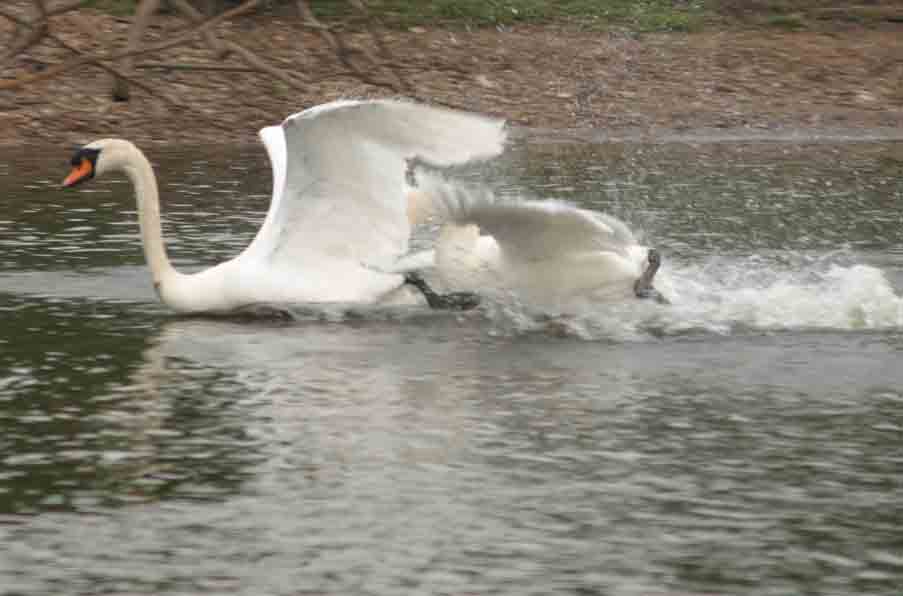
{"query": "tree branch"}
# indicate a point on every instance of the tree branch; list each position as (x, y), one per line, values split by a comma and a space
(249, 57)
(82, 59)
(33, 35)
(381, 47)
(64, 7)
(342, 51)
(143, 14)
(196, 17)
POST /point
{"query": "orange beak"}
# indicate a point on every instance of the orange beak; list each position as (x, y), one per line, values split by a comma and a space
(79, 173)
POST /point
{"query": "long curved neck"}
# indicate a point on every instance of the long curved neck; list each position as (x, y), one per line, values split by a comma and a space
(139, 170)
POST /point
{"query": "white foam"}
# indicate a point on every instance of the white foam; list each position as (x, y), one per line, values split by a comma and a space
(821, 296)
(727, 296)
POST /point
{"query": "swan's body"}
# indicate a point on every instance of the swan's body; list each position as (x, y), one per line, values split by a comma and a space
(550, 254)
(338, 221)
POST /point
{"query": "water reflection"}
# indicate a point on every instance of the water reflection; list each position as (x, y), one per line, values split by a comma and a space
(421, 456)
(79, 432)
(747, 440)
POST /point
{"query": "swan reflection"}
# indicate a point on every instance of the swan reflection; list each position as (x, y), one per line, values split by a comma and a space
(373, 392)
(348, 392)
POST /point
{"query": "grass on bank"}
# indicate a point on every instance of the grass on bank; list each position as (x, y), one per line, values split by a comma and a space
(635, 15)
(640, 15)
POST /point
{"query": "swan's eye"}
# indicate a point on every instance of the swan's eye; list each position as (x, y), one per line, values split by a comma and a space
(76, 158)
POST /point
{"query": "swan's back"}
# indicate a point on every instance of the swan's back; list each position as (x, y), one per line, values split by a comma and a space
(540, 230)
(548, 252)
(530, 229)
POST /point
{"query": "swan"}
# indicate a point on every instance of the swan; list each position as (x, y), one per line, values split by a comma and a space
(551, 254)
(338, 223)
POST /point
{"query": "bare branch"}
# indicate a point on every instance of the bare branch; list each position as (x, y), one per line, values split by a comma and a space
(382, 48)
(196, 17)
(249, 57)
(244, 7)
(42, 10)
(64, 7)
(34, 34)
(342, 52)
(82, 59)
(143, 14)
(35, 31)
(312, 21)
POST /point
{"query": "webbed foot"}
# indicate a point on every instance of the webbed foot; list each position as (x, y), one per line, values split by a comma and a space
(643, 287)
(450, 301)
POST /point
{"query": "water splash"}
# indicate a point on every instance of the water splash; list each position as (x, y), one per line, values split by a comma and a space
(820, 296)
(726, 296)
(719, 295)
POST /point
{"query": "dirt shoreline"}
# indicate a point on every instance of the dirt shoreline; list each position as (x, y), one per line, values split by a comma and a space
(549, 77)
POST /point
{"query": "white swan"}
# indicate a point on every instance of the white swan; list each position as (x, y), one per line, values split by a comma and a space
(551, 254)
(338, 219)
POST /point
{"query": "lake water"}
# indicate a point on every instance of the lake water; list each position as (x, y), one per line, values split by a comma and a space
(747, 439)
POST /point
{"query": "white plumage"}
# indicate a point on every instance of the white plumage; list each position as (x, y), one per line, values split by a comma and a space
(551, 254)
(338, 219)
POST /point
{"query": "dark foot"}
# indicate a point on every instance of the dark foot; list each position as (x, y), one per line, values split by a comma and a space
(450, 301)
(643, 287)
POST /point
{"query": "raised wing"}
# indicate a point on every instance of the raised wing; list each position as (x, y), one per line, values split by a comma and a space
(345, 162)
(536, 231)
(529, 231)
(273, 139)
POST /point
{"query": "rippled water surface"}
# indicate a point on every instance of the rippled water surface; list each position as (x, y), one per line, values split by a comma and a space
(746, 440)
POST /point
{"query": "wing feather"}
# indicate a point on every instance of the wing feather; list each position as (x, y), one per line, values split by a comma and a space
(273, 138)
(343, 191)
(531, 230)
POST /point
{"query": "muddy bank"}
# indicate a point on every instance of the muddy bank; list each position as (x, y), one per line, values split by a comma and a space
(546, 77)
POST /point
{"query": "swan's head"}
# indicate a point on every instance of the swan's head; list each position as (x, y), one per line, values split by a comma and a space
(84, 165)
(96, 158)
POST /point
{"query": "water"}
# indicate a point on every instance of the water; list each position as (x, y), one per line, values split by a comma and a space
(746, 440)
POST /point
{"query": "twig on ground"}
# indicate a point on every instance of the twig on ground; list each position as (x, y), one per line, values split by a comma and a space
(190, 67)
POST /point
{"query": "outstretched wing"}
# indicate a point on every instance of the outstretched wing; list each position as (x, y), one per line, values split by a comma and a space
(273, 139)
(541, 230)
(529, 231)
(339, 178)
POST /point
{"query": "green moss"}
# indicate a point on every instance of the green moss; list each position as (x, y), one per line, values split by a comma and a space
(792, 22)
(116, 7)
